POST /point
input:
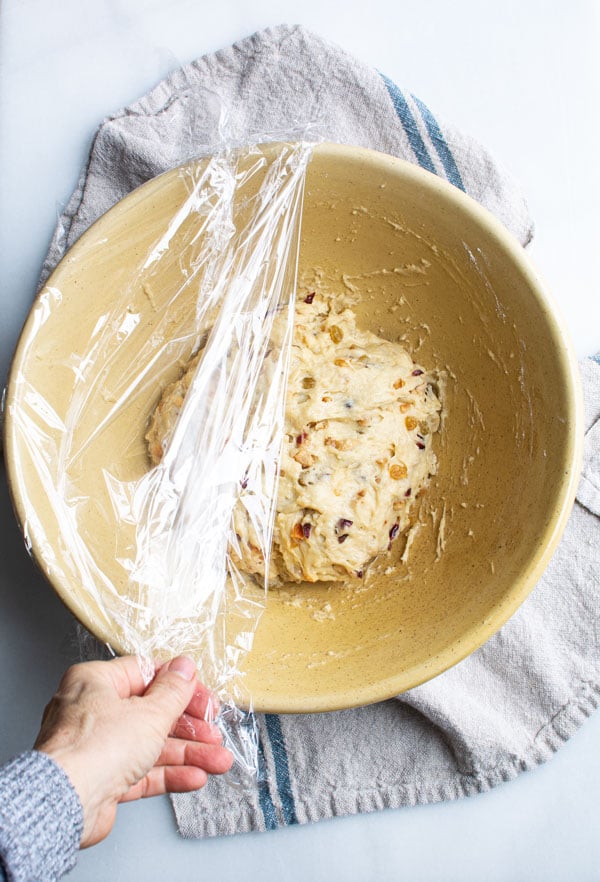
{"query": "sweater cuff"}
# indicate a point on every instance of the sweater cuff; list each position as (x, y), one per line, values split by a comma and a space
(41, 819)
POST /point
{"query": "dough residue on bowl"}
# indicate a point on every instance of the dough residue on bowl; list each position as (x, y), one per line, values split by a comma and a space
(357, 447)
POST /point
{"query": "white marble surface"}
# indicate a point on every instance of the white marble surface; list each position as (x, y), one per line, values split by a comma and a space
(521, 76)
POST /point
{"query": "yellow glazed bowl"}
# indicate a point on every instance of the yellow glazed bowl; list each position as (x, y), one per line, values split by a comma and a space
(432, 268)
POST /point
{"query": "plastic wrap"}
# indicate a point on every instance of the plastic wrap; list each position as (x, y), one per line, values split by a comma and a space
(173, 584)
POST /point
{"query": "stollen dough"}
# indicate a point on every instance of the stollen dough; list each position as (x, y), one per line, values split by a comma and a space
(357, 449)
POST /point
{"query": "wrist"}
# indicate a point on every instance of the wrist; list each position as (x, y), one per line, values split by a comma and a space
(91, 797)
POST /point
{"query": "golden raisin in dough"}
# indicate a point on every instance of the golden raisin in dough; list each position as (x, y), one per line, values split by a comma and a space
(357, 448)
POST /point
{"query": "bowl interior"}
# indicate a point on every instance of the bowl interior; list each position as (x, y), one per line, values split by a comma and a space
(432, 269)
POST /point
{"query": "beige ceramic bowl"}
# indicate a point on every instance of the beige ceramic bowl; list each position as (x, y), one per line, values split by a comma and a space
(432, 268)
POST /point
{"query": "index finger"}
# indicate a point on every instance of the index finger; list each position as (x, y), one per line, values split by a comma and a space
(204, 705)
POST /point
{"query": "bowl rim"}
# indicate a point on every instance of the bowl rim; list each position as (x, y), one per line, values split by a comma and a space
(473, 637)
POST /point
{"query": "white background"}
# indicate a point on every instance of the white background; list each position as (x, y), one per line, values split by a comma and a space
(522, 77)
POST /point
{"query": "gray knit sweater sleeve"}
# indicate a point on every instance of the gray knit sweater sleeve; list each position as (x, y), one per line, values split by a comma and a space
(41, 820)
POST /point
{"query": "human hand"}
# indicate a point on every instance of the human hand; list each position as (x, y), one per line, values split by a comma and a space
(119, 739)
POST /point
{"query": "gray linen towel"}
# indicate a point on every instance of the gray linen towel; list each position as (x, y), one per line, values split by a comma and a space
(514, 701)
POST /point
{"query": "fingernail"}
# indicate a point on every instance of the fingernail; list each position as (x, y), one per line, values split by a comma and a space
(184, 667)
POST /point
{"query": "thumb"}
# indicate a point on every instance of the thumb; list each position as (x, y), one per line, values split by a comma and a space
(171, 690)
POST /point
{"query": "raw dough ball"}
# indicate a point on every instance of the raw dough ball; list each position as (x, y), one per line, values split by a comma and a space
(360, 415)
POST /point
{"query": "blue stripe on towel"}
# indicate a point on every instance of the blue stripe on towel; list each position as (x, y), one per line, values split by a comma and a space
(439, 142)
(264, 794)
(409, 124)
(282, 770)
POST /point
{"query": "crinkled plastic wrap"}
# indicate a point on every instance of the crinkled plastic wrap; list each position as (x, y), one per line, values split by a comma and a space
(174, 585)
